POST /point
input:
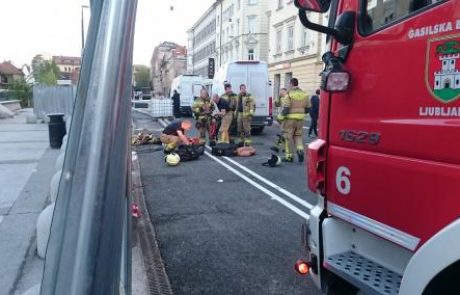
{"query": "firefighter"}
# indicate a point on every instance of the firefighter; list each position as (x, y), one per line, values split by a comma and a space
(230, 98)
(176, 103)
(245, 108)
(279, 102)
(174, 135)
(293, 114)
(314, 114)
(203, 108)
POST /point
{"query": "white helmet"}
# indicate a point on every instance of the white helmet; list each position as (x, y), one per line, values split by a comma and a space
(172, 159)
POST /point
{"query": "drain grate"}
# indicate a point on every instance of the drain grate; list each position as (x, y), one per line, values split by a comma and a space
(367, 274)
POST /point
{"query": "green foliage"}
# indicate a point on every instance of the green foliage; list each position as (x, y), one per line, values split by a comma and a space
(142, 77)
(44, 71)
(21, 90)
(447, 94)
(448, 47)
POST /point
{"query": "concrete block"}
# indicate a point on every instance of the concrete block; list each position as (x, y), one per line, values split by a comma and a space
(60, 160)
(68, 120)
(31, 118)
(43, 229)
(5, 112)
(35, 290)
(54, 186)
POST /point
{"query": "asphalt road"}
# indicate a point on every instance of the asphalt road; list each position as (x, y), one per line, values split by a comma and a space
(223, 229)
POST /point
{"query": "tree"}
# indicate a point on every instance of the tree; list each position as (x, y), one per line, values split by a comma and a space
(21, 90)
(142, 77)
(44, 71)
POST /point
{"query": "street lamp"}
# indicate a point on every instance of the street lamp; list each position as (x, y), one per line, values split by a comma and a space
(83, 28)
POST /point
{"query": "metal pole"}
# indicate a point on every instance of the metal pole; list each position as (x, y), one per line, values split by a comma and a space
(85, 246)
(220, 35)
(83, 28)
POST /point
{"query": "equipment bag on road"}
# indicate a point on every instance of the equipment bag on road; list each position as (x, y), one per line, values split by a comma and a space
(224, 149)
(188, 153)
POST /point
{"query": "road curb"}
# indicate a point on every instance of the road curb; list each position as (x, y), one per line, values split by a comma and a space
(157, 277)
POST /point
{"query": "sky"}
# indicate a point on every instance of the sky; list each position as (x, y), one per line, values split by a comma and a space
(31, 27)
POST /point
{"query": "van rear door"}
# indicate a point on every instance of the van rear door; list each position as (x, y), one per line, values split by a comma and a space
(259, 88)
(393, 157)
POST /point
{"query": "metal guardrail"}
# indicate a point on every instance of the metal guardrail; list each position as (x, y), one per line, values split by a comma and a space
(53, 99)
(90, 228)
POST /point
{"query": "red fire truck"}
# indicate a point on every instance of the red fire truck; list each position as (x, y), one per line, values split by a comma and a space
(386, 166)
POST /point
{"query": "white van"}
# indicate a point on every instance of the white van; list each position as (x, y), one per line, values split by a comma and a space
(189, 87)
(254, 74)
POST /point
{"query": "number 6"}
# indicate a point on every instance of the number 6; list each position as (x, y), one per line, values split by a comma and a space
(342, 180)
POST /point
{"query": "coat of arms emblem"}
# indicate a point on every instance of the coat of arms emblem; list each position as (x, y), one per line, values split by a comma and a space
(442, 68)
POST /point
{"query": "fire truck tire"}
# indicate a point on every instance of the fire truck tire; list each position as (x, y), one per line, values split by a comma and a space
(445, 282)
(334, 285)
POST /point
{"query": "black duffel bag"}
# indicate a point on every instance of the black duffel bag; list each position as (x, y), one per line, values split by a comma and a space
(224, 149)
(188, 153)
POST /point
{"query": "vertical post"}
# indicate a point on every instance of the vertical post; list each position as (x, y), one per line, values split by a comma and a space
(85, 246)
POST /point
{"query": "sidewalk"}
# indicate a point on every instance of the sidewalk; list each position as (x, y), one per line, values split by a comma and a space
(26, 168)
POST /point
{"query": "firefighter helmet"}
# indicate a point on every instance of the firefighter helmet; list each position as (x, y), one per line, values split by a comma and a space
(172, 159)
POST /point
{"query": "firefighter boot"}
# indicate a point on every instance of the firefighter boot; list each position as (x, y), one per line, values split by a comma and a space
(300, 156)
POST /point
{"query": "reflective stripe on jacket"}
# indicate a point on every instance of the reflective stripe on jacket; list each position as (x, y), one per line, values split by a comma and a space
(232, 100)
(249, 107)
(200, 105)
(297, 103)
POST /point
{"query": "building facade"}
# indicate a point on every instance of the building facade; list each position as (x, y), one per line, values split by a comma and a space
(202, 44)
(8, 74)
(242, 30)
(168, 61)
(294, 50)
(69, 69)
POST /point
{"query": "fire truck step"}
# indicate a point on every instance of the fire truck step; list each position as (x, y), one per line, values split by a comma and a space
(367, 275)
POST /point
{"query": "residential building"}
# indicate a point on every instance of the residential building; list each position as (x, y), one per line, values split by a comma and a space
(8, 74)
(294, 50)
(242, 30)
(69, 69)
(168, 61)
(202, 44)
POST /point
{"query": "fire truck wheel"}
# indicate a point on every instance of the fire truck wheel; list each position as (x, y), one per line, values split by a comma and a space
(337, 286)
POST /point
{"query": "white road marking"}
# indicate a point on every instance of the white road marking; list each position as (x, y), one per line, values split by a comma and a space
(274, 196)
(271, 184)
(258, 186)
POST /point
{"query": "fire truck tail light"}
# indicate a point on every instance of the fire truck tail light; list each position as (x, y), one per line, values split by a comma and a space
(302, 267)
(270, 106)
(316, 166)
(337, 81)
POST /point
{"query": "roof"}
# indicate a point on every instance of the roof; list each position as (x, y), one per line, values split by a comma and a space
(67, 60)
(7, 68)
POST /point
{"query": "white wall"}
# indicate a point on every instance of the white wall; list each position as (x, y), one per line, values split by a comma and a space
(280, 20)
(236, 40)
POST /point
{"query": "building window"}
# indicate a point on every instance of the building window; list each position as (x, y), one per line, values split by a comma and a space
(251, 54)
(287, 79)
(291, 38)
(278, 41)
(252, 23)
(237, 27)
(280, 4)
(238, 3)
(277, 85)
(252, 2)
(304, 37)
